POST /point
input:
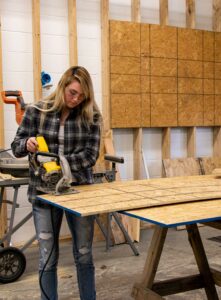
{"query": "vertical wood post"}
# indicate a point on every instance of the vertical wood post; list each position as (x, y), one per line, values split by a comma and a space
(217, 27)
(72, 25)
(137, 132)
(3, 216)
(105, 64)
(166, 132)
(191, 131)
(36, 49)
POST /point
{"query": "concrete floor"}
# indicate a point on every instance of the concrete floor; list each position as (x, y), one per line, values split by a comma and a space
(118, 269)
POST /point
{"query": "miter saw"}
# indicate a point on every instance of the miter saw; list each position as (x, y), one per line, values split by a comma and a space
(53, 170)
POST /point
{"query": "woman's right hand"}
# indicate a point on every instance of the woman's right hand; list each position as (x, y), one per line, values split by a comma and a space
(32, 144)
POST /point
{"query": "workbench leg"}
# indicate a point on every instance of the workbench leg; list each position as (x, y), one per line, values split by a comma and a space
(202, 262)
(142, 290)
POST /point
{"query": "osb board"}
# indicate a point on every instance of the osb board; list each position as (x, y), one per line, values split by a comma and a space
(162, 60)
(190, 44)
(163, 41)
(181, 167)
(126, 110)
(180, 214)
(103, 198)
(125, 39)
(163, 67)
(210, 163)
(190, 110)
(217, 109)
(190, 68)
(209, 108)
(163, 110)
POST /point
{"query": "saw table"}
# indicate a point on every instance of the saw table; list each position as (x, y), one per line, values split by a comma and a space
(166, 202)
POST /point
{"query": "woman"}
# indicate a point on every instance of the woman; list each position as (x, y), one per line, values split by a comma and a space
(70, 121)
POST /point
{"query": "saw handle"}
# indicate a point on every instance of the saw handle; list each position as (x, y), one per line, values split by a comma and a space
(18, 101)
(48, 154)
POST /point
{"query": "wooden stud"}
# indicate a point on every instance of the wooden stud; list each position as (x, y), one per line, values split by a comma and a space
(72, 25)
(190, 13)
(105, 64)
(216, 27)
(191, 131)
(3, 216)
(216, 15)
(36, 49)
(135, 11)
(163, 12)
(166, 132)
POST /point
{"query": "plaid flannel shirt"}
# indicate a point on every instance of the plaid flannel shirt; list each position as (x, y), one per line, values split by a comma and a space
(81, 144)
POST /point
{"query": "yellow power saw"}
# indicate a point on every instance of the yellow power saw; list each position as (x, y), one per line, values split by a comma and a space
(53, 170)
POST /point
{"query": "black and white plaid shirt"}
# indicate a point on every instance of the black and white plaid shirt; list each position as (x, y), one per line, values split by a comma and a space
(81, 144)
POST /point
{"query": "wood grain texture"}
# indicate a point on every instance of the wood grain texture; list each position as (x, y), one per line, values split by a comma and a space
(119, 196)
(190, 110)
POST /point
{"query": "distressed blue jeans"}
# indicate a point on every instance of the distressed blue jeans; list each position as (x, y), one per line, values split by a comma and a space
(82, 231)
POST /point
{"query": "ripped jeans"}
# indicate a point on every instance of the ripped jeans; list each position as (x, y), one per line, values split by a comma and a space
(82, 230)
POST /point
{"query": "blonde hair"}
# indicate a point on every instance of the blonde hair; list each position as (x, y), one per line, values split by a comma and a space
(87, 109)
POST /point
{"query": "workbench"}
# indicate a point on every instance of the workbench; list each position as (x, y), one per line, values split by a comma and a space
(165, 202)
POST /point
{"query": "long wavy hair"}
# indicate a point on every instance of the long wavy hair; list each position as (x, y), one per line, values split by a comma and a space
(88, 110)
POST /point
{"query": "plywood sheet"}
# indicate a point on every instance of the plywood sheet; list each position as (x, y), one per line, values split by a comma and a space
(145, 84)
(217, 46)
(163, 41)
(208, 69)
(190, 39)
(190, 110)
(208, 87)
(210, 163)
(190, 86)
(125, 84)
(145, 110)
(162, 63)
(175, 215)
(218, 110)
(189, 68)
(208, 110)
(145, 66)
(188, 166)
(126, 110)
(145, 39)
(102, 198)
(217, 70)
(208, 46)
(124, 38)
(163, 67)
(163, 85)
(125, 65)
(218, 87)
(163, 110)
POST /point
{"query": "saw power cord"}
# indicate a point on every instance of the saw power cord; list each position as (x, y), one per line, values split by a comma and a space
(45, 265)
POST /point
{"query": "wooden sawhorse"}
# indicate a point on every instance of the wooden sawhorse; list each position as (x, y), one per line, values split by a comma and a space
(148, 289)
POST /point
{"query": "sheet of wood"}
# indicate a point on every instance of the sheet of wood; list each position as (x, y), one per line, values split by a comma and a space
(118, 196)
(180, 214)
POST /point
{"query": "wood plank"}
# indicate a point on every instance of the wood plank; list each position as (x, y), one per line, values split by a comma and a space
(151, 264)
(163, 12)
(135, 11)
(202, 262)
(72, 25)
(216, 19)
(118, 196)
(216, 15)
(3, 215)
(36, 41)
(191, 132)
(105, 64)
(166, 132)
